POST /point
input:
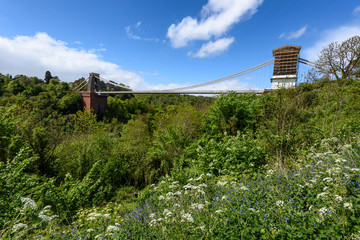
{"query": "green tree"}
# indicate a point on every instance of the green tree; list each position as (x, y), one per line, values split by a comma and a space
(341, 60)
(47, 77)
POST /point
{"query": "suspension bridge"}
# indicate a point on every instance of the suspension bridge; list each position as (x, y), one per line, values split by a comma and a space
(285, 74)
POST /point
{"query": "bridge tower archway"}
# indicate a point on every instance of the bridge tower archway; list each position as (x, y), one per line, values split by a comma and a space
(90, 99)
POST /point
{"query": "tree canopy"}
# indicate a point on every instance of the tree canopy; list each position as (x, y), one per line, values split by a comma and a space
(342, 60)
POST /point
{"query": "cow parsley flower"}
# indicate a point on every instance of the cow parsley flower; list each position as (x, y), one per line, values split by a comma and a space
(348, 205)
(320, 195)
(29, 203)
(221, 184)
(280, 203)
(112, 228)
(161, 197)
(327, 179)
(90, 230)
(219, 211)
(188, 217)
(178, 193)
(19, 226)
(243, 188)
(338, 198)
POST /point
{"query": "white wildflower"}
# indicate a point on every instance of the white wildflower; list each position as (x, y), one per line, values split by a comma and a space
(320, 195)
(325, 188)
(197, 205)
(152, 215)
(98, 236)
(219, 211)
(221, 183)
(29, 203)
(338, 198)
(327, 179)
(223, 198)
(280, 203)
(174, 183)
(313, 180)
(94, 215)
(188, 217)
(243, 188)
(190, 179)
(176, 205)
(355, 169)
(301, 186)
(201, 192)
(348, 205)
(91, 218)
(169, 194)
(203, 185)
(161, 197)
(44, 218)
(323, 210)
(152, 222)
(320, 162)
(18, 227)
(346, 147)
(90, 230)
(112, 228)
(167, 212)
(107, 216)
(253, 210)
(188, 186)
(162, 182)
(178, 193)
(199, 178)
(208, 174)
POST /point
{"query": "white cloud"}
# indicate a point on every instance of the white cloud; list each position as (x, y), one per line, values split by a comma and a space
(131, 35)
(34, 55)
(356, 11)
(339, 34)
(295, 34)
(217, 16)
(214, 48)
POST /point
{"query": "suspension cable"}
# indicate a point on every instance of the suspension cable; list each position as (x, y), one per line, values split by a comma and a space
(267, 63)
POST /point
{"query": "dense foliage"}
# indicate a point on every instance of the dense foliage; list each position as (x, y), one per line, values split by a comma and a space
(257, 163)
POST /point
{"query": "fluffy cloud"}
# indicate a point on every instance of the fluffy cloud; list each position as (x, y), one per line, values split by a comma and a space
(214, 48)
(339, 34)
(217, 16)
(34, 55)
(357, 11)
(295, 34)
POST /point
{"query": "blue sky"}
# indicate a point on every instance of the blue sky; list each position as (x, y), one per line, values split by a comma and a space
(157, 44)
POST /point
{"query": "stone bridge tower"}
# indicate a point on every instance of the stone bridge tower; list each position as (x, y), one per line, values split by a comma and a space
(90, 99)
(285, 66)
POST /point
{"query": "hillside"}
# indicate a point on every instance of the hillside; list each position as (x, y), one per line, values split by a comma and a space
(237, 166)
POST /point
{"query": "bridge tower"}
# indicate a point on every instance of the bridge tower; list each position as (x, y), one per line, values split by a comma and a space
(90, 99)
(285, 66)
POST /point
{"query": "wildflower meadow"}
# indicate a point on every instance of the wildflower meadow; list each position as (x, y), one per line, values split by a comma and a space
(318, 199)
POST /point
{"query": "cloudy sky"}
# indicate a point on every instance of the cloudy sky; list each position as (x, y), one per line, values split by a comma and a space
(157, 44)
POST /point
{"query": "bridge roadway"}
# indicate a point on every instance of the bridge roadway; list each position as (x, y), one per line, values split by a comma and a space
(179, 92)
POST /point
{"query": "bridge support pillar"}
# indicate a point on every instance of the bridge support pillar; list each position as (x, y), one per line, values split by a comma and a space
(285, 66)
(90, 99)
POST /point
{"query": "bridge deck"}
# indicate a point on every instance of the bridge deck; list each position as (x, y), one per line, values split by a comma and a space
(179, 92)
